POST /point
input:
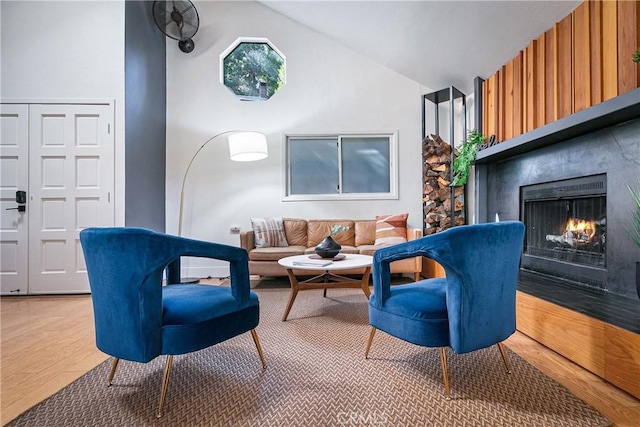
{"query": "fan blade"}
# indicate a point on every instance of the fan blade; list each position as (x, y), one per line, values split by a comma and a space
(191, 25)
(191, 6)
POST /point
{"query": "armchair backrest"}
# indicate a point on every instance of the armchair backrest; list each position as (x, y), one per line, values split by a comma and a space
(481, 265)
(125, 268)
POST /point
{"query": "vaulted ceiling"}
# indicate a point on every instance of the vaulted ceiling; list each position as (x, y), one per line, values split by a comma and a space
(436, 43)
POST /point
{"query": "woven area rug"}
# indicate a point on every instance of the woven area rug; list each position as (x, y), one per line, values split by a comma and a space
(317, 376)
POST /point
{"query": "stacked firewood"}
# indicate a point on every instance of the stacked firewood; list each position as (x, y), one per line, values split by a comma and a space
(437, 193)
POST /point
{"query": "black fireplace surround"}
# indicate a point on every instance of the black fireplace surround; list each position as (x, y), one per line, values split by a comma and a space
(576, 168)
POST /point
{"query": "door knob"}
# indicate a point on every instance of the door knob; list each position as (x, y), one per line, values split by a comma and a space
(20, 208)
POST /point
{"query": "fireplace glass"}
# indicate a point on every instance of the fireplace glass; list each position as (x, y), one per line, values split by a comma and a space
(566, 228)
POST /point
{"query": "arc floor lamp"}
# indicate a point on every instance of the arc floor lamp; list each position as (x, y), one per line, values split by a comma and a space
(244, 146)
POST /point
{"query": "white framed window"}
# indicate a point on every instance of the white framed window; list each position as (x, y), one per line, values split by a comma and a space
(341, 167)
(252, 68)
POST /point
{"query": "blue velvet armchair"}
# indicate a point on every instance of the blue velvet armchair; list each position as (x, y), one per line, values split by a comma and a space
(138, 319)
(473, 307)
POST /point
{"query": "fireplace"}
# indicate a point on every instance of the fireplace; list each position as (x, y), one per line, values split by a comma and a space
(583, 178)
(573, 170)
(566, 229)
(567, 181)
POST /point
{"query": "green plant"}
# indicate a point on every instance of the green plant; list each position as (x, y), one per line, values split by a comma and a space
(337, 228)
(636, 56)
(465, 157)
(634, 229)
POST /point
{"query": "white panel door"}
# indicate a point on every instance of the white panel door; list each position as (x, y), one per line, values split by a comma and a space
(71, 183)
(14, 176)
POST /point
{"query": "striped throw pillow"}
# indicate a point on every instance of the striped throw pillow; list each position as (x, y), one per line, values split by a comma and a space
(391, 229)
(269, 232)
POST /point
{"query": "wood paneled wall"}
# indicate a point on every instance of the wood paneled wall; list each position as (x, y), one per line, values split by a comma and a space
(608, 351)
(581, 61)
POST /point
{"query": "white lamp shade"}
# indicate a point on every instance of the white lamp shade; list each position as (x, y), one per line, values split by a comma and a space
(248, 146)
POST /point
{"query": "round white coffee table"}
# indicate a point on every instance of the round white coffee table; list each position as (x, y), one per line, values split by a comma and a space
(327, 279)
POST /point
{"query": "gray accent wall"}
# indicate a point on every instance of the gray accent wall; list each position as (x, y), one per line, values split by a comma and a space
(145, 118)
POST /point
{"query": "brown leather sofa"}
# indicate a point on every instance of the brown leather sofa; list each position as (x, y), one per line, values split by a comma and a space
(304, 235)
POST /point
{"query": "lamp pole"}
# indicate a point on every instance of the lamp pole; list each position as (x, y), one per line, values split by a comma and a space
(186, 172)
(247, 146)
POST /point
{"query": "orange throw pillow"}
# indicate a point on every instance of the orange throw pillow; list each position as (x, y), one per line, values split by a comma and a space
(391, 229)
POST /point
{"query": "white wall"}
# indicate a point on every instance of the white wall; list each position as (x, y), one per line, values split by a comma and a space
(329, 89)
(66, 51)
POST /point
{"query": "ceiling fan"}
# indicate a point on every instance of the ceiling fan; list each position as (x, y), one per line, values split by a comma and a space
(178, 20)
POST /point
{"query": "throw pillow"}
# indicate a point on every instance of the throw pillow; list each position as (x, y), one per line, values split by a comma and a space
(269, 232)
(391, 229)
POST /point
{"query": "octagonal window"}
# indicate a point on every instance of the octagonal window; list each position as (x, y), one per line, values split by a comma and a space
(252, 68)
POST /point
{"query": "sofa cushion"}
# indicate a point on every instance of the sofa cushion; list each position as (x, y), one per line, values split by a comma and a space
(296, 231)
(269, 232)
(367, 249)
(318, 229)
(346, 249)
(365, 232)
(391, 229)
(274, 254)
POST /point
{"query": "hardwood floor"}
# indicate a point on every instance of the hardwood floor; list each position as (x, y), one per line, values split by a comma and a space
(47, 342)
(620, 407)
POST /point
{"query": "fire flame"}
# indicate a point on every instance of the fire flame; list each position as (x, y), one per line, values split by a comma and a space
(581, 226)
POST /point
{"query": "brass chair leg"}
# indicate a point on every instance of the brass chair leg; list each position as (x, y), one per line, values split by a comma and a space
(504, 357)
(373, 332)
(165, 385)
(445, 374)
(254, 334)
(114, 365)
